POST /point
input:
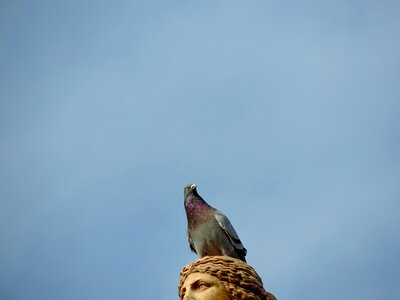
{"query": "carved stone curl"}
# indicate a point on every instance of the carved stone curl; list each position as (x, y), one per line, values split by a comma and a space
(240, 281)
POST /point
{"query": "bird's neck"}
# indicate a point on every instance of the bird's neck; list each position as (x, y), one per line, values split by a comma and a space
(196, 208)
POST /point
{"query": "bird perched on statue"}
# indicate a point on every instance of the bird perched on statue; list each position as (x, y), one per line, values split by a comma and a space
(209, 231)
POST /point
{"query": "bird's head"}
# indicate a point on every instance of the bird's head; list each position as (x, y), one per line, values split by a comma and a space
(190, 189)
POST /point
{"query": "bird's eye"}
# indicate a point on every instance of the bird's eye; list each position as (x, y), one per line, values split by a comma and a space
(193, 186)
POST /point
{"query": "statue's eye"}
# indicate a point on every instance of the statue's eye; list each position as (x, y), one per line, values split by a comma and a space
(202, 285)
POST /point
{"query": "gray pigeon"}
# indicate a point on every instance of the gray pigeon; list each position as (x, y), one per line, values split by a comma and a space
(209, 230)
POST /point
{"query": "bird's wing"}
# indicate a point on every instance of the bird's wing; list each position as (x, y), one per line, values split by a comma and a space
(226, 225)
(190, 241)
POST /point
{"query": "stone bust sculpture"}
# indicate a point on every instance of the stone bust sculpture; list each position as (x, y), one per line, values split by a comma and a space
(221, 278)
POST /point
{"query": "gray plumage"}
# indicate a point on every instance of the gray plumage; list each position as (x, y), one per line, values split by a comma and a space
(209, 230)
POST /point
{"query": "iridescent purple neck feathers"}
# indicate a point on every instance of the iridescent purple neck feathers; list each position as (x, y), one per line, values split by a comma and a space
(196, 208)
(196, 205)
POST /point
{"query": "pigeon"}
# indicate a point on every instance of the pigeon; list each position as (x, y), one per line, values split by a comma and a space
(209, 230)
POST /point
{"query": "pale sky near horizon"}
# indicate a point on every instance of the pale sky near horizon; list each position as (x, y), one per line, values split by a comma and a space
(285, 114)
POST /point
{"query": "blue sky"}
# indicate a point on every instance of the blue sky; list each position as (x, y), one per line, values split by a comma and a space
(286, 115)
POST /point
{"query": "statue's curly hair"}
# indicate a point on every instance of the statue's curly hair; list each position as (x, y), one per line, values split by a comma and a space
(239, 279)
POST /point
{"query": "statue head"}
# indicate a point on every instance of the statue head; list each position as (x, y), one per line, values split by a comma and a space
(222, 278)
